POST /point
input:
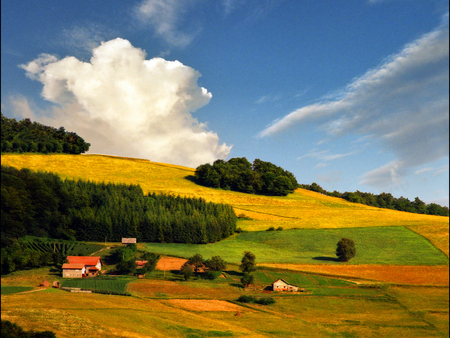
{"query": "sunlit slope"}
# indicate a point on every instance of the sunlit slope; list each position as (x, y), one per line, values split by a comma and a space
(303, 209)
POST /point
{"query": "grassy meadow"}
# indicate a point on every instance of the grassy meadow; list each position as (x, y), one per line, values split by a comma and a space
(8, 290)
(374, 245)
(117, 284)
(396, 286)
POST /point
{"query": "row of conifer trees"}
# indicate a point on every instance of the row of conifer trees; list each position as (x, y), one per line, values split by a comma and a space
(42, 204)
(32, 137)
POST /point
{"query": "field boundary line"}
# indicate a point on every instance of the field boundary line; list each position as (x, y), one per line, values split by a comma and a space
(265, 213)
(406, 227)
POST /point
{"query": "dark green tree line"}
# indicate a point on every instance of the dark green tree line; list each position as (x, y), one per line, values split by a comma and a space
(383, 200)
(43, 205)
(238, 174)
(32, 137)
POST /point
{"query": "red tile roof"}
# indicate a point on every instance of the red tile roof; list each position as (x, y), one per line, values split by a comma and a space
(90, 260)
(72, 266)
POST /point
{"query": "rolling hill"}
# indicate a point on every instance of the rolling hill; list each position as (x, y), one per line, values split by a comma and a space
(407, 253)
(303, 209)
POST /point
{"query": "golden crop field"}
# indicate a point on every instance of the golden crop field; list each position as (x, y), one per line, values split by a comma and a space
(302, 209)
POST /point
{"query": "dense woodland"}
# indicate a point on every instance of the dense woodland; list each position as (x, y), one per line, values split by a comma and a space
(43, 205)
(238, 174)
(32, 137)
(384, 200)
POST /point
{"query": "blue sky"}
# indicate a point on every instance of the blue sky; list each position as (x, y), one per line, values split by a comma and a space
(352, 95)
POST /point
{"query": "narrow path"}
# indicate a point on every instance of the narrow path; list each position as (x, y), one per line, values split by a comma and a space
(92, 254)
(31, 291)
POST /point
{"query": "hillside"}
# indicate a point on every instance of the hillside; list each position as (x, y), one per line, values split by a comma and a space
(302, 209)
(397, 285)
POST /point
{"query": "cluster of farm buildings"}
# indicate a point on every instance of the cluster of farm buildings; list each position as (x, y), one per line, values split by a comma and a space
(90, 266)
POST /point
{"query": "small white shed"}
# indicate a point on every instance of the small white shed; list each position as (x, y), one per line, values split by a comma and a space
(282, 285)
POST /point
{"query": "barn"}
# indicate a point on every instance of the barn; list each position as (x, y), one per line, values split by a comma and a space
(282, 285)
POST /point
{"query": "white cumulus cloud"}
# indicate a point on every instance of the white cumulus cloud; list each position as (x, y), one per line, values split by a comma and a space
(403, 103)
(126, 105)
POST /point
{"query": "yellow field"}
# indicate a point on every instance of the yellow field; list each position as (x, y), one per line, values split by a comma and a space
(303, 209)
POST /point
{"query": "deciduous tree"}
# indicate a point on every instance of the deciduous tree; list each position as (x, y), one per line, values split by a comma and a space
(248, 262)
(345, 249)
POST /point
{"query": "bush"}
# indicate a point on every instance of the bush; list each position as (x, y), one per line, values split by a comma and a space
(280, 229)
(212, 274)
(251, 299)
(246, 299)
(271, 229)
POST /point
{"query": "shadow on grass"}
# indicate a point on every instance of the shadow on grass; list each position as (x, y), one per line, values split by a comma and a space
(191, 178)
(329, 259)
(233, 273)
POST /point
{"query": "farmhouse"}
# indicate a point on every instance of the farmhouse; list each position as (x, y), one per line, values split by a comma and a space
(73, 270)
(126, 241)
(282, 285)
(82, 266)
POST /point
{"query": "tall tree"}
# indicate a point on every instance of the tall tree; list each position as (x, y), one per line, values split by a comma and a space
(248, 262)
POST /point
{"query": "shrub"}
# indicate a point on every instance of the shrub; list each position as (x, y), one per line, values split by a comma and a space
(212, 274)
(246, 299)
(251, 299)
(280, 229)
(271, 229)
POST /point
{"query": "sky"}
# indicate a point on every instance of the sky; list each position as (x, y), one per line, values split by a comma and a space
(352, 95)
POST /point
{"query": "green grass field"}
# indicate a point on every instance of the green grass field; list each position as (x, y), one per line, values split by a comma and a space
(374, 245)
(8, 290)
(114, 284)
